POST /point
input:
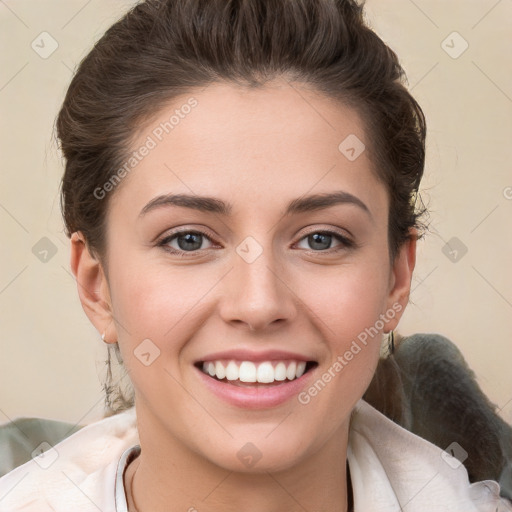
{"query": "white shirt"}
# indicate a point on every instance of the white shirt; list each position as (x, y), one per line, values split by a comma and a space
(391, 470)
(121, 504)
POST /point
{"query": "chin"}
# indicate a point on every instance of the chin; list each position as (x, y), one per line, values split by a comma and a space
(261, 455)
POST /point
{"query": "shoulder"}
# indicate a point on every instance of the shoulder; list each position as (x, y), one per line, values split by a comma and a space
(392, 467)
(76, 474)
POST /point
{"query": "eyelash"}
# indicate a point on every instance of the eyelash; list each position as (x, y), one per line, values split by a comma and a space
(346, 243)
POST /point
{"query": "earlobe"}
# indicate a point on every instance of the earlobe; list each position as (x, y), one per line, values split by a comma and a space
(92, 287)
(400, 284)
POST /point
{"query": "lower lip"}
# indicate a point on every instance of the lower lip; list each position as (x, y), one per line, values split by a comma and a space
(248, 397)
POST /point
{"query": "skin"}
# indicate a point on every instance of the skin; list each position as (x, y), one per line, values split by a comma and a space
(257, 150)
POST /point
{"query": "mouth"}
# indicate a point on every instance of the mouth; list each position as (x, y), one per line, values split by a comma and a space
(255, 374)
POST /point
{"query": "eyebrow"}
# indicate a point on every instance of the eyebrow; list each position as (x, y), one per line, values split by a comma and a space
(213, 205)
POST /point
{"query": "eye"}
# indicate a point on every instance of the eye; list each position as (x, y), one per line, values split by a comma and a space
(190, 241)
(320, 241)
(186, 240)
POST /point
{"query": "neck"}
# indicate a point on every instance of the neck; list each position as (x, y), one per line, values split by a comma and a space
(188, 482)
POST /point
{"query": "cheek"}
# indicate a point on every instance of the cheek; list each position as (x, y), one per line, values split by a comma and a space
(347, 301)
(169, 303)
(155, 308)
(151, 299)
(348, 311)
(161, 302)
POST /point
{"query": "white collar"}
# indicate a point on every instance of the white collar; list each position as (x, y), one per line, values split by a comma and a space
(394, 470)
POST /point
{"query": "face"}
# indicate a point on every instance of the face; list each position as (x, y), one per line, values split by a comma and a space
(282, 275)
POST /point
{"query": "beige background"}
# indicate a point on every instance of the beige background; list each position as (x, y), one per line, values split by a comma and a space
(51, 356)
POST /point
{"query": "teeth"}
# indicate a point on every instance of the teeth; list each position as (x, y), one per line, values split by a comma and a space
(232, 371)
(265, 373)
(219, 370)
(301, 367)
(280, 371)
(290, 371)
(246, 371)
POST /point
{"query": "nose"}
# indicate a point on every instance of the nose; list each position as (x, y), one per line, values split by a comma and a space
(257, 294)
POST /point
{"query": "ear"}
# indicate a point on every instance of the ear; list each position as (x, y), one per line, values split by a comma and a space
(92, 287)
(400, 280)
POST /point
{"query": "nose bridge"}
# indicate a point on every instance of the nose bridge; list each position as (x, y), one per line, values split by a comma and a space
(257, 296)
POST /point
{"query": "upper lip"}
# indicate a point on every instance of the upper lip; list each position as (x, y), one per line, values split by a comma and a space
(250, 355)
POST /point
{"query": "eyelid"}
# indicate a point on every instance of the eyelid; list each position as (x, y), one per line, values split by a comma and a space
(345, 234)
(346, 242)
(166, 238)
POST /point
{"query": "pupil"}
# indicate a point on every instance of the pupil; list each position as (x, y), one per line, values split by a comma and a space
(317, 238)
(190, 238)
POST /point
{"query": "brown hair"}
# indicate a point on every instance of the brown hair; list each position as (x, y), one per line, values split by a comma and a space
(163, 48)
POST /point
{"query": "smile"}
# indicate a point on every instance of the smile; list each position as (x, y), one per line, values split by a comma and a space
(259, 383)
(264, 372)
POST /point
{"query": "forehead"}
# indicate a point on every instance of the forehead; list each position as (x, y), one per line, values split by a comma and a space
(279, 115)
(279, 140)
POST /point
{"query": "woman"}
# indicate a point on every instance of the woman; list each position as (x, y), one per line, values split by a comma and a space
(240, 193)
